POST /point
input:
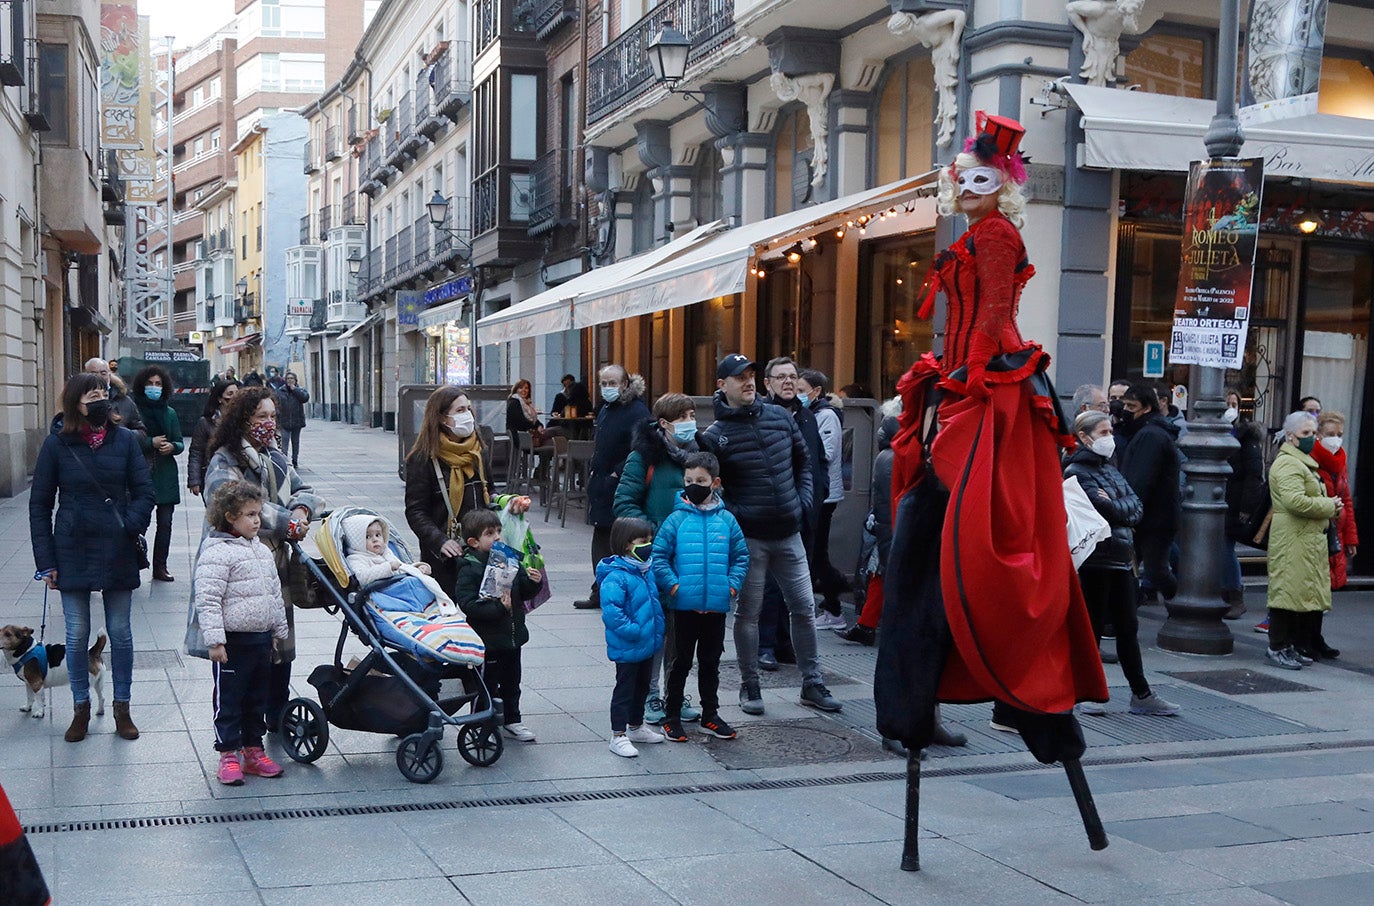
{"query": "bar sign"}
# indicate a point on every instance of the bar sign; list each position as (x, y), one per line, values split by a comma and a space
(1154, 359)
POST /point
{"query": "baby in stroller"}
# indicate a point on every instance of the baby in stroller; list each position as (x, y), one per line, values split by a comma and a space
(368, 553)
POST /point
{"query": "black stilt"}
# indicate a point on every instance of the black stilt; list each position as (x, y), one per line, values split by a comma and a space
(1097, 836)
(911, 855)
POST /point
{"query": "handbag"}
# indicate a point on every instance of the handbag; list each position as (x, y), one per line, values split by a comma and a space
(1333, 539)
(1086, 527)
(140, 543)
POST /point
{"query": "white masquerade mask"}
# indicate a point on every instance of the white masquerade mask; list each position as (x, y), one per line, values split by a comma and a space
(980, 180)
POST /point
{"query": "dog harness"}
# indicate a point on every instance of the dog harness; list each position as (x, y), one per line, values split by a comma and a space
(38, 655)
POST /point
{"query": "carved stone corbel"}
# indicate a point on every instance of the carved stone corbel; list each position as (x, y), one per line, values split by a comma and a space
(1102, 23)
(941, 31)
(813, 90)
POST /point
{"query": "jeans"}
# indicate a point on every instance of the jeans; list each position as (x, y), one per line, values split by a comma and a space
(631, 688)
(76, 613)
(1230, 569)
(1153, 551)
(786, 559)
(241, 688)
(291, 444)
(829, 580)
(702, 634)
(162, 539)
(502, 673)
(1111, 598)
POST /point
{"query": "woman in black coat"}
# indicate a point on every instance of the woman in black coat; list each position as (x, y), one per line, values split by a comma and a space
(1108, 575)
(96, 475)
(221, 395)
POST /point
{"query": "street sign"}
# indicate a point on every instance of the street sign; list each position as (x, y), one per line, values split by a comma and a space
(1154, 359)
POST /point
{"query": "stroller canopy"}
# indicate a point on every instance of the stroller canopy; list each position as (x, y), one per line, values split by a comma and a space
(330, 541)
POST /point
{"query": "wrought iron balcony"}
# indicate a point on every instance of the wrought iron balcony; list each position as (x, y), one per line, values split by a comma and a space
(350, 216)
(451, 80)
(551, 190)
(420, 246)
(620, 72)
(246, 309)
(305, 230)
(551, 15)
(312, 163)
(318, 318)
(333, 148)
(326, 223)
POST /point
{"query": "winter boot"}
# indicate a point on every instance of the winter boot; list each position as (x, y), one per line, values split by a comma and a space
(124, 726)
(81, 720)
(1236, 598)
(944, 736)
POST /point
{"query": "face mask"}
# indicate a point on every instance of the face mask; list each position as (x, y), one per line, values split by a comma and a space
(98, 413)
(642, 552)
(462, 424)
(1332, 444)
(698, 493)
(264, 433)
(1104, 446)
(153, 393)
(1230, 415)
(684, 432)
(805, 400)
(610, 394)
(1306, 444)
(980, 180)
(1117, 408)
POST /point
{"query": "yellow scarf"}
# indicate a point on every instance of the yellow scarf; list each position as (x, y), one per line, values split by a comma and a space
(464, 461)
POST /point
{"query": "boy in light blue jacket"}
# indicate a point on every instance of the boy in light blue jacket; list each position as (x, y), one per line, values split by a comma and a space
(700, 561)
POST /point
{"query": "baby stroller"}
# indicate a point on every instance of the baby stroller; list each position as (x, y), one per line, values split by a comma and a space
(395, 689)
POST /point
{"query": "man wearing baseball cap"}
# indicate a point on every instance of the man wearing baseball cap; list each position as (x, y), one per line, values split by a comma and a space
(766, 471)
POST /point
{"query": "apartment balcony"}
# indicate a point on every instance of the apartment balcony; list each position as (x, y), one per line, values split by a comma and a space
(193, 121)
(312, 157)
(501, 218)
(189, 226)
(333, 144)
(246, 309)
(398, 259)
(551, 190)
(420, 248)
(318, 318)
(371, 277)
(620, 72)
(306, 229)
(451, 81)
(197, 171)
(350, 215)
(375, 174)
(205, 313)
(325, 221)
(397, 130)
(184, 280)
(551, 15)
(341, 312)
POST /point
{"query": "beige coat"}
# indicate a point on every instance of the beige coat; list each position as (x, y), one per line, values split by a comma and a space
(1299, 572)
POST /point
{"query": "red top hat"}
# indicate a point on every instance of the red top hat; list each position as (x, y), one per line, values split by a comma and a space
(997, 143)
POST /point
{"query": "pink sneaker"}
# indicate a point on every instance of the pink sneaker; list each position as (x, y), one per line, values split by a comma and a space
(257, 764)
(230, 772)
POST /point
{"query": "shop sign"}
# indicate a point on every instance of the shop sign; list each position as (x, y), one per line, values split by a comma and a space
(408, 305)
(171, 355)
(452, 289)
(1221, 216)
(300, 308)
(195, 338)
(1154, 359)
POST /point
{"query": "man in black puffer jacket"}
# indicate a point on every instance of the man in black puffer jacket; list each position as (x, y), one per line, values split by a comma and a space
(766, 473)
(1151, 464)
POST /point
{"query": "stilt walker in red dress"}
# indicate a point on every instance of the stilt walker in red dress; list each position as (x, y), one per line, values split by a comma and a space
(981, 599)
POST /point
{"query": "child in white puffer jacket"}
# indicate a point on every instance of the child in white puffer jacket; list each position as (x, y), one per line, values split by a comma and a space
(241, 609)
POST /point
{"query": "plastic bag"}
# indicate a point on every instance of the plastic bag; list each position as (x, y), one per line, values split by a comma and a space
(516, 532)
(502, 566)
(1087, 528)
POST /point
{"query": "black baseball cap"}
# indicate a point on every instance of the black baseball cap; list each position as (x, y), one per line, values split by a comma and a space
(734, 364)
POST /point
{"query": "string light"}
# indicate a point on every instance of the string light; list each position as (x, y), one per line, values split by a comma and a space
(794, 253)
(809, 244)
(839, 234)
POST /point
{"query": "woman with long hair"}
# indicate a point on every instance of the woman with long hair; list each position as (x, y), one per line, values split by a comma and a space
(152, 392)
(244, 448)
(95, 474)
(520, 412)
(221, 395)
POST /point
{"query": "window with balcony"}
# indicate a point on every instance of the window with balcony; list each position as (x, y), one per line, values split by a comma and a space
(53, 101)
(13, 27)
(708, 186)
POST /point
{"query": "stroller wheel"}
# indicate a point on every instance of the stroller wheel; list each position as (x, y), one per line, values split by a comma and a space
(304, 730)
(480, 744)
(419, 758)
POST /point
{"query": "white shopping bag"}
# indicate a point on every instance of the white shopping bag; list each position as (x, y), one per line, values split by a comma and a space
(1087, 528)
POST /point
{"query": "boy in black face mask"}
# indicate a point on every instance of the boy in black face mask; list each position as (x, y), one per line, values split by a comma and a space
(700, 561)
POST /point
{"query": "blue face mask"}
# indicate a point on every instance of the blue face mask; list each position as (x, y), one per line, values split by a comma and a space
(684, 432)
(805, 400)
(153, 393)
(610, 394)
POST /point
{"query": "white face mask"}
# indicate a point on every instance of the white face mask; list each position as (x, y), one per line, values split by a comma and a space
(1104, 446)
(1332, 444)
(1230, 415)
(980, 180)
(462, 424)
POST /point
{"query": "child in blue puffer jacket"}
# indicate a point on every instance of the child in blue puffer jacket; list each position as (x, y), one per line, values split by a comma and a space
(700, 561)
(634, 630)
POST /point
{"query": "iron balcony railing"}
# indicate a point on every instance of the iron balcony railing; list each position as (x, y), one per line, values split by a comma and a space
(333, 148)
(450, 80)
(551, 15)
(317, 318)
(350, 216)
(399, 267)
(419, 240)
(551, 189)
(620, 71)
(246, 309)
(453, 236)
(326, 224)
(311, 164)
(486, 202)
(305, 230)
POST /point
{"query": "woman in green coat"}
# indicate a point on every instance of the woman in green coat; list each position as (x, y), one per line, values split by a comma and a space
(1299, 571)
(152, 392)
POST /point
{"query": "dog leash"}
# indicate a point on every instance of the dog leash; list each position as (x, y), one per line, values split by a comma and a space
(43, 626)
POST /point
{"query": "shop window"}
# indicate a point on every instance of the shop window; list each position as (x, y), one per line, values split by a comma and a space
(1347, 89)
(892, 276)
(1175, 65)
(797, 314)
(659, 353)
(712, 331)
(906, 108)
(792, 161)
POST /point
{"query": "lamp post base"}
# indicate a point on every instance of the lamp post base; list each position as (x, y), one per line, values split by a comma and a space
(1195, 627)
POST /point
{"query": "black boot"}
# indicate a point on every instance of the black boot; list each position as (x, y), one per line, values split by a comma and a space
(944, 736)
(1319, 642)
(858, 633)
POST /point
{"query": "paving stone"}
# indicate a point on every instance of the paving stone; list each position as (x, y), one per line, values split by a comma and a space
(1351, 888)
(791, 879)
(1267, 863)
(419, 890)
(1182, 832)
(1322, 819)
(324, 850)
(177, 861)
(501, 839)
(693, 828)
(822, 817)
(580, 884)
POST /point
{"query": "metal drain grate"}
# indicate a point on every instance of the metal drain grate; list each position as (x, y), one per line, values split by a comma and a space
(1241, 682)
(840, 779)
(777, 744)
(153, 658)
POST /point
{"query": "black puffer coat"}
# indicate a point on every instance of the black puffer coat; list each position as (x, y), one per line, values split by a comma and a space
(811, 434)
(765, 467)
(1151, 464)
(1246, 491)
(84, 543)
(196, 460)
(290, 404)
(614, 434)
(1121, 508)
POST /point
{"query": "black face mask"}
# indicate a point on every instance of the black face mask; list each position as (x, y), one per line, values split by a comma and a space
(698, 493)
(642, 552)
(1117, 409)
(98, 413)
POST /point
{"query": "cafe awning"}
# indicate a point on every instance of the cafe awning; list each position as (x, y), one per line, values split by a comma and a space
(1137, 130)
(362, 325)
(552, 310)
(242, 343)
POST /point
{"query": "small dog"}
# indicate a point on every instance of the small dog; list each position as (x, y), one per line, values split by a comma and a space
(16, 641)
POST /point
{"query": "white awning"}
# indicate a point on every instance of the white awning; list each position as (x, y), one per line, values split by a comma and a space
(440, 314)
(1136, 130)
(719, 265)
(552, 310)
(362, 325)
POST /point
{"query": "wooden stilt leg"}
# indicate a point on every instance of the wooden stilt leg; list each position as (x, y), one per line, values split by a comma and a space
(911, 858)
(1097, 836)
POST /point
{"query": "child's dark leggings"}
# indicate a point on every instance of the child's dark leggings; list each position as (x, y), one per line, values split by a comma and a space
(702, 634)
(502, 673)
(631, 688)
(241, 690)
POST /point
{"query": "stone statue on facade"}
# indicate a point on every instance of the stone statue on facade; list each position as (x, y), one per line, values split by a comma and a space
(942, 32)
(1102, 23)
(813, 90)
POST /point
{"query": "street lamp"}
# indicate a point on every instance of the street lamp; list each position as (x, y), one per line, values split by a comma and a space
(668, 55)
(355, 262)
(242, 287)
(438, 216)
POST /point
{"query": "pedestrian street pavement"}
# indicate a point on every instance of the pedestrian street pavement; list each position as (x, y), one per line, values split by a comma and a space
(1261, 791)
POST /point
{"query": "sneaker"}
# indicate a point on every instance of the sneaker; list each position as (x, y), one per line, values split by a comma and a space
(257, 764)
(750, 699)
(1108, 655)
(230, 772)
(1094, 708)
(818, 697)
(767, 660)
(653, 710)
(672, 730)
(1281, 659)
(689, 713)
(861, 634)
(644, 734)
(715, 726)
(1302, 657)
(520, 732)
(622, 746)
(827, 620)
(1263, 627)
(1153, 705)
(589, 604)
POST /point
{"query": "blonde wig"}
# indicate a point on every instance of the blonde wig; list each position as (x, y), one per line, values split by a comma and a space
(1011, 201)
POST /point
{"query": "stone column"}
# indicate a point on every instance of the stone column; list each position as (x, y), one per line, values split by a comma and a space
(672, 201)
(851, 111)
(744, 176)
